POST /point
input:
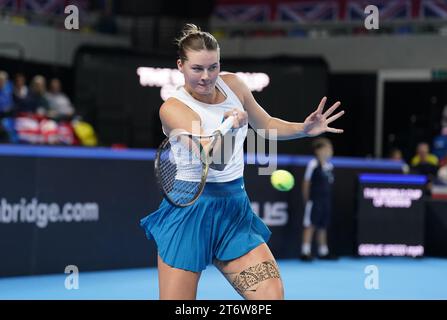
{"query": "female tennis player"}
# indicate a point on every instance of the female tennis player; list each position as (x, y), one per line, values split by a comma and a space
(220, 227)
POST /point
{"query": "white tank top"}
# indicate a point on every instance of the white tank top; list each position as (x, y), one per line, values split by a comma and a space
(211, 116)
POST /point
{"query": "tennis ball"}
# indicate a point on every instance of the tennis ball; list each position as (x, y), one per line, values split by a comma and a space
(282, 180)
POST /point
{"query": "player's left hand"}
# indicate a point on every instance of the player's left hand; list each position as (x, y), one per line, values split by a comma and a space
(317, 122)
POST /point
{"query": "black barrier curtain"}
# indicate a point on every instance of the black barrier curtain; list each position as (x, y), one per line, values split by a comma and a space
(412, 114)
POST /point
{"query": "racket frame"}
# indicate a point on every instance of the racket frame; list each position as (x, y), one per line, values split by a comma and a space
(205, 161)
(204, 156)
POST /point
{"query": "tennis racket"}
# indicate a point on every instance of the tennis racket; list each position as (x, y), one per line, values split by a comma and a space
(182, 164)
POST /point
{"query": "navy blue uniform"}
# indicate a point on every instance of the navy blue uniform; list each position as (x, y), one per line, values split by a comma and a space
(318, 208)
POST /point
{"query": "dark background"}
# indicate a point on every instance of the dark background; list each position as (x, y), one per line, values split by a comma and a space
(110, 96)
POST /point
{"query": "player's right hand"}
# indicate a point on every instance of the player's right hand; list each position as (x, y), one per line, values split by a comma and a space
(240, 117)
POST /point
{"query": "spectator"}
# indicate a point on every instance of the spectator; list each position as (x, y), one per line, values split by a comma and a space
(440, 141)
(20, 93)
(6, 101)
(442, 175)
(60, 105)
(396, 155)
(425, 163)
(106, 22)
(36, 102)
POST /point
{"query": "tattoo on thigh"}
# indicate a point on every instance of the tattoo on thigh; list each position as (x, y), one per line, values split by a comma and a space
(249, 279)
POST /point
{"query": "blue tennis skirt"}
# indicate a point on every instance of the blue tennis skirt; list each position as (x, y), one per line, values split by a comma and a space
(219, 225)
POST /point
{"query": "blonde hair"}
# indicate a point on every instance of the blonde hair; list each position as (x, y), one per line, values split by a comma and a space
(194, 39)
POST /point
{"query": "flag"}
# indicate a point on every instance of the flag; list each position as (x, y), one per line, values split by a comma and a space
(44, 6)
(388, 9)
(50, 7)
(433, 9)
(308, 11)
(243, 12)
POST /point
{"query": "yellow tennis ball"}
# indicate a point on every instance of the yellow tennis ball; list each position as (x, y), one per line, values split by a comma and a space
(282, 180)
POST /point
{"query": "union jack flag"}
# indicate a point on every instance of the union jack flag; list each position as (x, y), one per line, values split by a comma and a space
(433, 9)
(388, 9)
(44, 6)
(243, 13)
(308, 11)
(41, 6)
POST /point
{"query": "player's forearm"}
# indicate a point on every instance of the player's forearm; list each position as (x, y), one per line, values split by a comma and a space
(278, 129)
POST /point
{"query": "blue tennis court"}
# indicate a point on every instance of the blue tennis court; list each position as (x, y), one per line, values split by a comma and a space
(398, 278)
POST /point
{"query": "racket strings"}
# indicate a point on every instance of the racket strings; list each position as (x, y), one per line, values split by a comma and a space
(181, 170)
